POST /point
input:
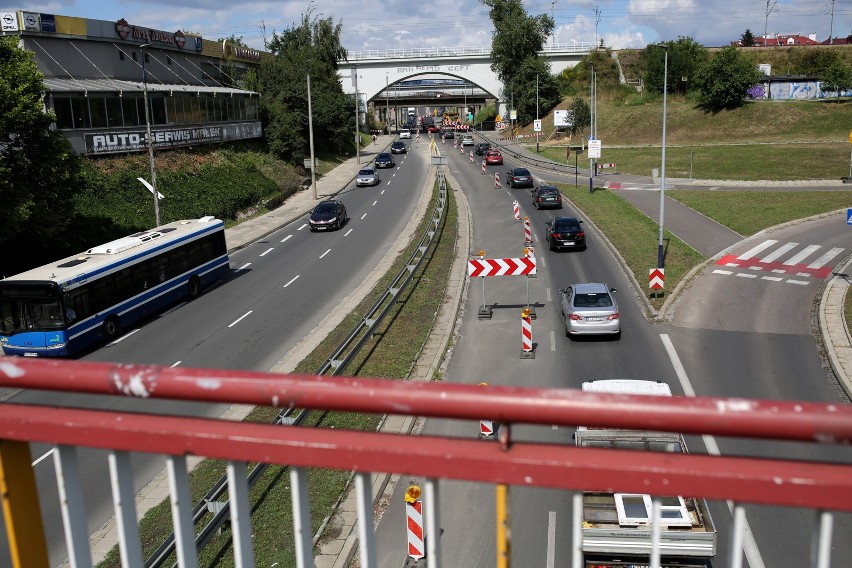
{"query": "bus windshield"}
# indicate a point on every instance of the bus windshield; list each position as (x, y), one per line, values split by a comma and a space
(29, 312)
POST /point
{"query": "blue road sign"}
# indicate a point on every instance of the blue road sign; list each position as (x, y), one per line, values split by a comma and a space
(849, 216)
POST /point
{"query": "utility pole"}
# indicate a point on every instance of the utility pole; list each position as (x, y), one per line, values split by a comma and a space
(150, 141)
(311, 137)
(357, 116)
(770, 7)
(553, 17)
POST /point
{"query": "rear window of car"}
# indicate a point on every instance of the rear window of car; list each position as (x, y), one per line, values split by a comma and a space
(365, 172)
(592, 300)
(565, 225)
(383, 157)
(325, 208)
(520, 172)
(548, 191)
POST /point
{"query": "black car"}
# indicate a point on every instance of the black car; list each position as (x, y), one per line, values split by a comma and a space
(329, 214)
(565, 232)
(519, 177)
(482, 148)
(546, 196)
(398, 148)
(385, 160)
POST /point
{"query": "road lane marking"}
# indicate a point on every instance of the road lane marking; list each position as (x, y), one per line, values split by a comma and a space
(243, 267)
(771, 278)
(823, 260)
(285, 239)
(374, 203)
(552, 341)
(751, 252)
(43, 456)
(175, 364)
(325, 253)
(302, 227)
(239, 319)
(547, 292)
(805, 253)
(551, 539)
(741, 275)
(725, 272)
(122, 338)
(346, 234)
(267, 251)
(780, 251)
(382, 192)
(362, 216)
(755, 560)
(799, 282)
(296, 277)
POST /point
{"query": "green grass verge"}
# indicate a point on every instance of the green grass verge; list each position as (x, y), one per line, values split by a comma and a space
(389, 353)
(636, 237)
(847, 310)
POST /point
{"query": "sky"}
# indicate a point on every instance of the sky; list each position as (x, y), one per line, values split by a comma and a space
(411, 24)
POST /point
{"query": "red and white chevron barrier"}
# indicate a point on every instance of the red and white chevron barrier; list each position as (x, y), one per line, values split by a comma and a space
(414, 518)
(656, 278)
(497, 180)
(606, 166)
(526, 335)
(486, 428)
(516, 208)
(483, 166)
(527, 231)
(461, 150)
(501, 266)
(471, 156)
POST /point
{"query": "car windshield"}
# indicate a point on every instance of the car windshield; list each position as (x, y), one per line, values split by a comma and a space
(592, 300)
(522, 172)
(565, 225)
(364, 172)
(325, 208)
(383, 157)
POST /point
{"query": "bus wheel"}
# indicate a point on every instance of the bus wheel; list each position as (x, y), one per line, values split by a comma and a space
(112, 328)
(194, 287)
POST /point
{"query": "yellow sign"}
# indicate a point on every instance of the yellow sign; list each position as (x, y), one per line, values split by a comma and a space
(850, 136)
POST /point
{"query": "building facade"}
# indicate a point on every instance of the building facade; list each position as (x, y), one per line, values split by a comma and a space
(97, 73)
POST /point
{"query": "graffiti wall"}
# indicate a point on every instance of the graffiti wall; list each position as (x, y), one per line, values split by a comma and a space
(793, 90)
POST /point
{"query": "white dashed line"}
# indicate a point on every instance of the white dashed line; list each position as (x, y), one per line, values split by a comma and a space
(547, 291)
(799, 282)
(239, 319)
(243, 267)
(725, 272)
(374, 203)
(302, 227)
(175, 364)
(43, 456)
(325, 253)
(267, 251)
(362, 216)
(771, 278)
(346, 234)
(296, 277)
(382, 192)
(285, 239)
(552, 341)
(122, 338)
(741, 275)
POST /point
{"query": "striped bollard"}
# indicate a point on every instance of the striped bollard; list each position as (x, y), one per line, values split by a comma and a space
(461, 150)
(497, 180)
(527, 232)
(471, 156)
(455, 143)
(414, 520)
(526, 335)
(483, 166)
(516, 208)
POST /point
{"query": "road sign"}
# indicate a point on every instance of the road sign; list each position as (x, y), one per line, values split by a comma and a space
(849, 216)
(656, 278)
(594, 149)
(501, 267)
(537, 125)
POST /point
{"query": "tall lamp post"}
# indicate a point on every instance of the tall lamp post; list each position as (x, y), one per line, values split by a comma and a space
(311, 137)
(387, 105)
(357, 116)
(536, 111)
(150, 141)
(663, 168)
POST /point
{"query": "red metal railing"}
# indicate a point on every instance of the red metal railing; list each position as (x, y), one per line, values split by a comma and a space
(814, 485)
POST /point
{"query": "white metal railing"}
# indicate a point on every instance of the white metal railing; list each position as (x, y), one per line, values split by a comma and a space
(461, 51)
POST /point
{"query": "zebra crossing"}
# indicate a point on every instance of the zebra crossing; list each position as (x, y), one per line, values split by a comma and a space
(784, 262)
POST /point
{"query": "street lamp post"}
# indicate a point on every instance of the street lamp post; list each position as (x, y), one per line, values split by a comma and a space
(311, 137)
(387, 105)
(663, 167)
(536, 111)
(150, 141)
(357, 117)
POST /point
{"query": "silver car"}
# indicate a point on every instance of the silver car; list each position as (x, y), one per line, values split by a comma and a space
(590, 309)
(367, 176)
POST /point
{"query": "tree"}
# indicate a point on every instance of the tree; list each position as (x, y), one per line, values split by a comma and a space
(723, 82)
(313, 45)
(837, 77)
(685, 58)
(532, 102)
(582, 115)
(747, 39)
(39, 170)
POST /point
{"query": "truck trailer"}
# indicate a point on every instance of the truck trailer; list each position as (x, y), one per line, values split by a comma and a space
(617, 527)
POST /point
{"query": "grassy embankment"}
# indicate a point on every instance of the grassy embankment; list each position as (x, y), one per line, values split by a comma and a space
(390, 353)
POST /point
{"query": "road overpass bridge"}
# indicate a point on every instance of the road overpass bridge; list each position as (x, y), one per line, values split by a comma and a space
(392, 74)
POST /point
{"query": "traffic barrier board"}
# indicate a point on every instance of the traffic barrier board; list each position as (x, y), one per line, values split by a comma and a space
(497, 180)
(516, 208)
(656, 278)
(501, 266)
(414, 516)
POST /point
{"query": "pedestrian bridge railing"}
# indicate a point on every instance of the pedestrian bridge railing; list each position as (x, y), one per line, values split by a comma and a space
(460, 51)
(821, 486)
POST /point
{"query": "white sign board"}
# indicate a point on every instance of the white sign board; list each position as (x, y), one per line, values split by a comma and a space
(594, 149)
(537, 125)
(8, 21)
(513, 115)
(562, 118)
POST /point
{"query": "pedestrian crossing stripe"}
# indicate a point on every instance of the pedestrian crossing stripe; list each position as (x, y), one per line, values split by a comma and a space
(771, 260)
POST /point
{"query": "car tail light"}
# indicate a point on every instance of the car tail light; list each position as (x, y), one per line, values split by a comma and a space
(581, 234)
(575, 317)
(612, 316)
(555, 235)
(539, 199)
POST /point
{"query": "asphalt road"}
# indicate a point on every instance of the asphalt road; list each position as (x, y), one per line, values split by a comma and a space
(733, 336)
(280, 288)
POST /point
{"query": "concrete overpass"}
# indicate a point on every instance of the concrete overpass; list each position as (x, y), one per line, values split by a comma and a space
(382, 75)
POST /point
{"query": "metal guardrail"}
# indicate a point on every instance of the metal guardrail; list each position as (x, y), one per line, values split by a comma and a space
(416, 53)
(337, 362)
(524, 158)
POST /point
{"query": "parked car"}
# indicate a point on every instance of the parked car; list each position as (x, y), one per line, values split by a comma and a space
(385, 160)
(519, 177)
(494, 158)
(405, 133)
(398, 148)
(590, 309)
(467, 140)
(564, 232)
(431, 128)
(367, 175)
(546, 196)
(330, 214)
(482, 148)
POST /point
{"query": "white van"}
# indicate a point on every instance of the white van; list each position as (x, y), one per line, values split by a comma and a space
(404, 134)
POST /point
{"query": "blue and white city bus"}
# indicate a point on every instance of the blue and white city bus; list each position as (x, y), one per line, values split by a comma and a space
(68, 305)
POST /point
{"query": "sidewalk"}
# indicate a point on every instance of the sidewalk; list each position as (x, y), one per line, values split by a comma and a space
(707, 236)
